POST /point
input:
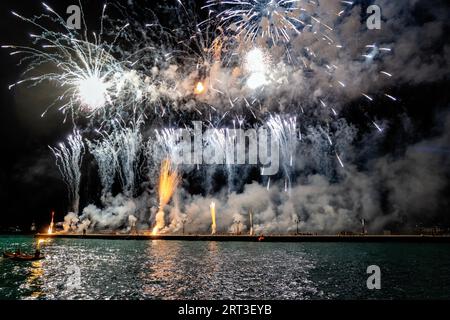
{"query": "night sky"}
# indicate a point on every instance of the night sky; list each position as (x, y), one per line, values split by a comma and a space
(30, 184)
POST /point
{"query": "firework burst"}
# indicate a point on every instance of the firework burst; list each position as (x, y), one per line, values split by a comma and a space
(274, 20)
(90, 78)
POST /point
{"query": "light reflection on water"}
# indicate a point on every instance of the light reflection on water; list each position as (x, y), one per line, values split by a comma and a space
(34, 280)
(224, 270)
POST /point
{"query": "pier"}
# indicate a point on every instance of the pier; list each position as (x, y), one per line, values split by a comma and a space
(268, 238)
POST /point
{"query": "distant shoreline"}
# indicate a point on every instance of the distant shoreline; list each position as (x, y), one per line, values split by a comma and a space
(269, 238)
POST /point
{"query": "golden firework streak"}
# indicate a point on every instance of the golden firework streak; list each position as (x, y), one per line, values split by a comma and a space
(213, 217)
(168, 183)
(52, 224)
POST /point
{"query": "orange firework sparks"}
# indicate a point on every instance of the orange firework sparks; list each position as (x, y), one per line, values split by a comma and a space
(217, 47)
(50, 228)
(199, 88)
(168, 183)
(213, 217)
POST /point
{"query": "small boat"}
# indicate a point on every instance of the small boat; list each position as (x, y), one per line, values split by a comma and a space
(25, 257)
(8, 255)
(22, 257)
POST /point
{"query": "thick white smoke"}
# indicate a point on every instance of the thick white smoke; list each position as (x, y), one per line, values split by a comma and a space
(114, 216)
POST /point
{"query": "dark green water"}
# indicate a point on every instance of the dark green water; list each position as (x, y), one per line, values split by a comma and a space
(228, 270)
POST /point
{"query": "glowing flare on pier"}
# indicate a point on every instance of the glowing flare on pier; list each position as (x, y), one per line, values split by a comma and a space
(50, 229)
(213, 217)
(168, 183)
(252, 231)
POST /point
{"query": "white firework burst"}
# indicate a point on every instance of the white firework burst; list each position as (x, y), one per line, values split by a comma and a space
(277, 20)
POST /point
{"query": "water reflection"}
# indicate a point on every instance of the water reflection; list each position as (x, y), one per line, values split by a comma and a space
(213, 270)
(220, 270)
(35, 280)
(161, 271)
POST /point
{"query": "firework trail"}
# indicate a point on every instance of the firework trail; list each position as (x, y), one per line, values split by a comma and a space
(129, 144)
(69, 158)
(165, 145)
(287, 134)
(105, 153)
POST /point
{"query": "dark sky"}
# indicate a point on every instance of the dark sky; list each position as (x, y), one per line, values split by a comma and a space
(30, 185)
